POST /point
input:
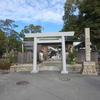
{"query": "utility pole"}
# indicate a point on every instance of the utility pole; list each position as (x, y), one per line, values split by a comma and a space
(41, 7)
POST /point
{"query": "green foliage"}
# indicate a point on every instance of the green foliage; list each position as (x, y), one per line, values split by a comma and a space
(11, 58)
(9, 36)
(2, 61)
(7, 26)
(88, 16)
(30, 29)
(70, 18)
(2, 38)
(72, 56)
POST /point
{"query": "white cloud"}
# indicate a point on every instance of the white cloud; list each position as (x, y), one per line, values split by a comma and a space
(30, 10)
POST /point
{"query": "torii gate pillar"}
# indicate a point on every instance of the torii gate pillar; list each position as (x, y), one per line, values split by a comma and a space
(64, 71)
(34, 57)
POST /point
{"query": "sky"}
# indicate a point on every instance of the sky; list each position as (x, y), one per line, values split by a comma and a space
(47, 13)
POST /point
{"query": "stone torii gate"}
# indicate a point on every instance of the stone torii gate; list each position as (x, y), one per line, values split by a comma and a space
(59, 37)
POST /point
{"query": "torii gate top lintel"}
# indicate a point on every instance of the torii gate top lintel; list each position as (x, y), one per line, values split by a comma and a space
(53, 34)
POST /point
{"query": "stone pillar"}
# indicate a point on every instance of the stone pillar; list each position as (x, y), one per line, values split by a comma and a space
(64, 71)
(87, 44)
(88, 66)
(35, 57)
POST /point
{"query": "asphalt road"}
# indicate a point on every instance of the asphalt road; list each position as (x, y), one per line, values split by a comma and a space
(47, 85)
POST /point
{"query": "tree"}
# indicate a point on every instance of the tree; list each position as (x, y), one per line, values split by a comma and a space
(70, 17)
(7, 26)
(2, 38)
(30, 29)
(34, 29)
(15, 41)
(88, 16)
(7, 31)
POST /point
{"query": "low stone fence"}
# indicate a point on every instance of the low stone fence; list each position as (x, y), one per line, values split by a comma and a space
(40, 67)
(18, 68)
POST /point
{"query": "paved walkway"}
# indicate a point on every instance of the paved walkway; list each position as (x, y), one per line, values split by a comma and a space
(47, 85)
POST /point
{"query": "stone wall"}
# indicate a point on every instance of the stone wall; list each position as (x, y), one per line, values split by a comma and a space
(89, 68)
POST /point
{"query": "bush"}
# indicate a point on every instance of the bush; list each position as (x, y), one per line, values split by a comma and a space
(72, 56)
(1, 61)
(4, 65)
(11, 58)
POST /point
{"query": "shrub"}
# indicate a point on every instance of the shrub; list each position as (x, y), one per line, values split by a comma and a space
(1, 60)
(11, 58)
(72, 56)
(4, 65)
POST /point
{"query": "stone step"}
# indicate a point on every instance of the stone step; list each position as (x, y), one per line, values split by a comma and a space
(50, 68)
(53, 63)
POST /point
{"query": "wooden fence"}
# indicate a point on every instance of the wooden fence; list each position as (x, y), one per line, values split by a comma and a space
(81, 56)
(27, 57)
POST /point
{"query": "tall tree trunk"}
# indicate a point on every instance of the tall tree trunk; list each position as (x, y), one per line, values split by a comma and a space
(6, 51)
(7, 48)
